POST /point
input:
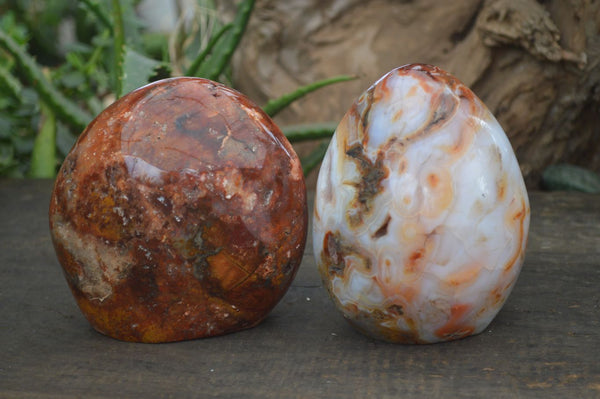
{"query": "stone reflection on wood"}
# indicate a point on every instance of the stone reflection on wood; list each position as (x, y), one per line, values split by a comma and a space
(180, 213)
(421, 214)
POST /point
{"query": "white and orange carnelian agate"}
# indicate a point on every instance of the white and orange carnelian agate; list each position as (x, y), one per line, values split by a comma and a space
(421, 213)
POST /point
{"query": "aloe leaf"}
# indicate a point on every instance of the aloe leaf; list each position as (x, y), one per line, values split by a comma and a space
(7, 160)
(569, 177)
(119, 39)
(309, 131)
(313, 159)
(94, 59)
(219, 59)
(137, 70)
(60, 105)
(195, 67)
(11, 83)
(273, 107)
(99, 13)
(43, 156)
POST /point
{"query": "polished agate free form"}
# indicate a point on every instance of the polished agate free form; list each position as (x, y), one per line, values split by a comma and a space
(180, 213)
(421, 214)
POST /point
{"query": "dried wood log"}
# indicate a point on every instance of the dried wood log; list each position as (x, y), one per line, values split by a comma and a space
(536, 64)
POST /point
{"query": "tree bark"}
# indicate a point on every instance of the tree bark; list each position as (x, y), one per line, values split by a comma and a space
(536, 64)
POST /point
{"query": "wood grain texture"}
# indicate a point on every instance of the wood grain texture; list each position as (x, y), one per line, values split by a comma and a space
(545, 342)
(524, 58)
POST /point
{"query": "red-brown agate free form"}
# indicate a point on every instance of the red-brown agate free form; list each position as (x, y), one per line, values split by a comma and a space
(180, 213)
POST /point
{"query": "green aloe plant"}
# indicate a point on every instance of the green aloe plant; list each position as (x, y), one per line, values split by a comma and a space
(130, 66)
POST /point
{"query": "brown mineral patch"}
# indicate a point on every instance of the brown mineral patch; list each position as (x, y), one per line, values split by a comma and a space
(414, 261)
(372, 174)
(383, 230)
(402, 165)
(397, 309)
(332, 255)
(100, 265)
(454, 327)
(337, 255)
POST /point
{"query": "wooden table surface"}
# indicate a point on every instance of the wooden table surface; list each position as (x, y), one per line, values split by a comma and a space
(545, 342)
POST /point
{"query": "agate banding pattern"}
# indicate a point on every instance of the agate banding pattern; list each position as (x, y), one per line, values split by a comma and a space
(421, 214)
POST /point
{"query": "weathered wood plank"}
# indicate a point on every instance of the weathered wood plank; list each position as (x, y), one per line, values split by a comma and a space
(544, 343)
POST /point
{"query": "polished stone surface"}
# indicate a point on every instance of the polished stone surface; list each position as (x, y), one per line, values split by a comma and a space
(180, 213)
(421, 214)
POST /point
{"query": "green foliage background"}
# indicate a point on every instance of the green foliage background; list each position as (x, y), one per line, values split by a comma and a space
(49, 93)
